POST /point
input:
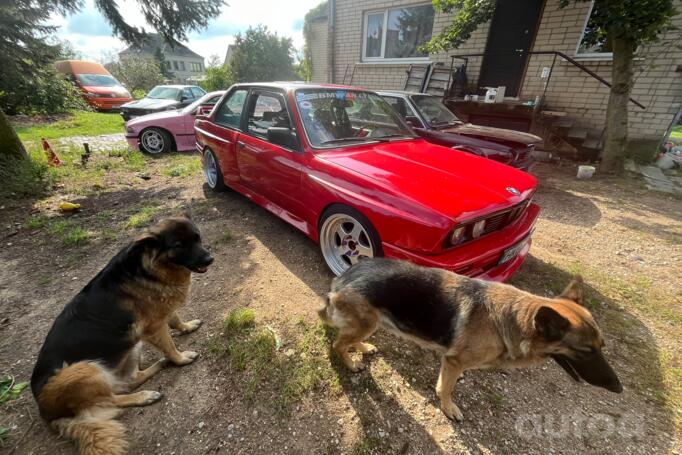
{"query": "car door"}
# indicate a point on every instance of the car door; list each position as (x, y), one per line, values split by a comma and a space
(223, 131)
(184, 133)
(271, 170)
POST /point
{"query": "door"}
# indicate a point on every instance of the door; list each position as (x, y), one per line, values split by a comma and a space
(512, 32)
(270, 170)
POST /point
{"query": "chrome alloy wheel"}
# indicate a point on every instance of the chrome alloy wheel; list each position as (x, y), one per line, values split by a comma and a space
(210, 169)
(344, 242)
(152, 141)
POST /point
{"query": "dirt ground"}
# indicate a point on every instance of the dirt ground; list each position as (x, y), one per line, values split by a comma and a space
(622, 238)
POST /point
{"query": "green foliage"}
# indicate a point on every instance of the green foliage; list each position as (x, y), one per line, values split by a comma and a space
(24, 177)
(142, 218)
(77, 123)
(9, 389)
(218, 76)
(676, 134)
(46, 92)
(137, 72)
(469, 14)
(262, 56)
(138, 94)
(306, 65)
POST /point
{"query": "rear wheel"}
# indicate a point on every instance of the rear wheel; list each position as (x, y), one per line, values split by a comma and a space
(155, 140)
(212, 173)
(346, 237)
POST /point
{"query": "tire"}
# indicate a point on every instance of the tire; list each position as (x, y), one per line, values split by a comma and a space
(346, 236)
(155, 141)
(212, 172)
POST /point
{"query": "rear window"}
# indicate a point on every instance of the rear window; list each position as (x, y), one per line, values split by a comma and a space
(97, 80)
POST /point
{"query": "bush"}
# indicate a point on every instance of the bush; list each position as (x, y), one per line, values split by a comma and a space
(138, 94)
(48, 92)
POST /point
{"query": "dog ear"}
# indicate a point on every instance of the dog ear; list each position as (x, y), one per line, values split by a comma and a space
(574, 291)
(550, 324)
(145, 241)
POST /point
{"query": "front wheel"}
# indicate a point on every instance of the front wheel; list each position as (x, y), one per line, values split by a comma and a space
(212, 173)
(346, 237)
(155, 140)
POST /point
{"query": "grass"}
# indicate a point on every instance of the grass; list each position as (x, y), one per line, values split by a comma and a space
(142, 218)
(10, 389)
(24, 178)
(36, 222)
(225, 237)
(68, 232)
(78, 123)
(253, 351)
(676, 134)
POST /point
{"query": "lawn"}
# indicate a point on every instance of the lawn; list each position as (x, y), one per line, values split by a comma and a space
(78, 123)
(677, 133)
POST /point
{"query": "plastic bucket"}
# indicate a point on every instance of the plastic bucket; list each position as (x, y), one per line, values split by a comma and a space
(586, 172)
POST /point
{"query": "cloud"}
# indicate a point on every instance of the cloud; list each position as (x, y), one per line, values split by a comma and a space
(88, 22)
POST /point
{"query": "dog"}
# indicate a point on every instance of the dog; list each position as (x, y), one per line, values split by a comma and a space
(471, 323)
(91, 356)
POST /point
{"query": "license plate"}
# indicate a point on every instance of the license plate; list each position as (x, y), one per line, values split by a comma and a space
(511, 252)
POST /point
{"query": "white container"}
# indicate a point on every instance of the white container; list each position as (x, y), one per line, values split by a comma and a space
(490, 95)
(499, 96)
(586, 172)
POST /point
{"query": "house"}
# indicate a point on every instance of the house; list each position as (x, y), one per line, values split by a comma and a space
(187, 66)
(533, 48)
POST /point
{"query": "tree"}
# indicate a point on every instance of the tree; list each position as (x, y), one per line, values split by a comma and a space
(218, 76)
(25, 51)
(164, 66)
(627, 24)
(261, 56)
(136, 72)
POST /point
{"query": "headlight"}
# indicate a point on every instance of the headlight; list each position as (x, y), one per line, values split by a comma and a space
(457, 235)
(478, 229)
(130, 129)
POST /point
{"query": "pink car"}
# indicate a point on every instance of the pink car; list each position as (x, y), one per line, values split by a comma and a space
(169, 130)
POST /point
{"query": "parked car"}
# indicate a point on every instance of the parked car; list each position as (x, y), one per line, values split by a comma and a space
(168, 130)
(341, 166)
(99, 88)
(162, 98)
(433, 121)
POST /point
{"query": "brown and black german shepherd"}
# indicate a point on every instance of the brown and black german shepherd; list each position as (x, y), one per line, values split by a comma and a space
(472, 323)
(90, 359)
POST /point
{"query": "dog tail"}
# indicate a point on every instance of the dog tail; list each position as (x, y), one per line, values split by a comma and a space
(325, 312)
(95, 431)
(84, 391)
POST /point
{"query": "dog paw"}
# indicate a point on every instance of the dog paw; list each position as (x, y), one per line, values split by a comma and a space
(150, 396)
(367, 348)
(355, 366)
(451, 411)
(187, 357)
(191, 326)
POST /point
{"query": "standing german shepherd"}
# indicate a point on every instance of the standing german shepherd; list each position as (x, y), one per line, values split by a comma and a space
(472, 323)
(91, 355)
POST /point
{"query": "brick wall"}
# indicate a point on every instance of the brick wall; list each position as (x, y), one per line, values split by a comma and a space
(657, 85)
(319, 34)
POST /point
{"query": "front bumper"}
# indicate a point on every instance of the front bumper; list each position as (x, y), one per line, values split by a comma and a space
(108, 104)
(133, 141)
(481, 258)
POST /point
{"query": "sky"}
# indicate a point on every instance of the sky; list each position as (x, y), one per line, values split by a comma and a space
(90, 34)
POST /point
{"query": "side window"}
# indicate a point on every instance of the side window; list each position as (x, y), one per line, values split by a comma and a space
(398, 104)
(230, 112)
(197, 92)
(267, 110)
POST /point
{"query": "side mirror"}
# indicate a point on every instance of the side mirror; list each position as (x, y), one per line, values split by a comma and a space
(283, 137)
(413, 121)
(183, 99)
(203, 111)
(200, 116)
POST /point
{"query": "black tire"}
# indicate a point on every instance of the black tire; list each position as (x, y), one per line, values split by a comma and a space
(328, 235)
(155, 141)
(216, 183)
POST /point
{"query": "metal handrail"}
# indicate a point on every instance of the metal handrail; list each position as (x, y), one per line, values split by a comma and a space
(556, 54)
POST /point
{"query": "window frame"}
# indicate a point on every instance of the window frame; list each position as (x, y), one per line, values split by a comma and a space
(596, 56)
(254, 93)
(220, 105)
(385, 12)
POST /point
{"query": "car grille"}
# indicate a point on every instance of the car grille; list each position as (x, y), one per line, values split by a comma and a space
(505, 218)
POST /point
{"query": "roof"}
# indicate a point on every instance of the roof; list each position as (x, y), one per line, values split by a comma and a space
(155, 40)
(176, 86)
(294, 85)
(80, 67)
(402, 92)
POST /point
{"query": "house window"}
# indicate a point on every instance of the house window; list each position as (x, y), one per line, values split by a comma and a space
(175, 64)
(397, 33)
(182, 66)
(594, 42)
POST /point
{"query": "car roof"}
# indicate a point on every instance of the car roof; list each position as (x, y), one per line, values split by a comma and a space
(295, 85)
(177, 86)
(402, 93)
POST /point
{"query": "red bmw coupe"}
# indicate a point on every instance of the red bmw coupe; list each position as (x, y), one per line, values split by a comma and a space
(340, 165)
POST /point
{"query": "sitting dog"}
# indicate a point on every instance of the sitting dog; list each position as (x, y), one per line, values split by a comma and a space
(91, 355)
(471, 323)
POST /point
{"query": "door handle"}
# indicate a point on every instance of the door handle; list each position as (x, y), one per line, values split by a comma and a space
(240, 144)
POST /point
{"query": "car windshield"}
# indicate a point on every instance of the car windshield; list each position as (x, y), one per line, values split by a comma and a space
(210, 99)
(164, 93)
(434, 111)
(332, 117)
(97, 80)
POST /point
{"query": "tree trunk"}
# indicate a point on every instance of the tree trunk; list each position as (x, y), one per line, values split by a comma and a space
(616, 135)
(10, 145)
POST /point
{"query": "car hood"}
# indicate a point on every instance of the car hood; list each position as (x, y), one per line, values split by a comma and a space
(157, 117)
(151, 103)
(492, 134)
(456, 184)
(117, 89)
